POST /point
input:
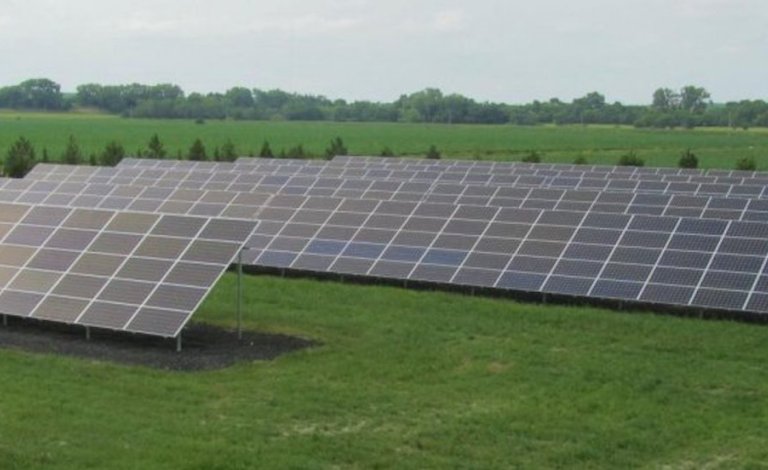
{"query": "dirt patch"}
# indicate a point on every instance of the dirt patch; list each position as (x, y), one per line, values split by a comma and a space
(204, 347)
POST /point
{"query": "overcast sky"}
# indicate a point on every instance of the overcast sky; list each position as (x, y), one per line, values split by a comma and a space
(500, 50)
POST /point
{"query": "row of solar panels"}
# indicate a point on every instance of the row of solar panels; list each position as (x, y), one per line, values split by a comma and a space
(512, 177)
(243, 181)
(248, 181)
(297, 228)
(434, 165)
(235, 204)
(580, 243)
(430, 173)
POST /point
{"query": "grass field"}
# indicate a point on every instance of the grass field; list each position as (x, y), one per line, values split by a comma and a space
(408, 379)
(718, 148)
(405, 379)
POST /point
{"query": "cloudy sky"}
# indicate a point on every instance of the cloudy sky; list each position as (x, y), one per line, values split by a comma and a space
(500, 50)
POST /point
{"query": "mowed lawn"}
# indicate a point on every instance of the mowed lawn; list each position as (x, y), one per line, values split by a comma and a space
(407, 379)
(718, 148)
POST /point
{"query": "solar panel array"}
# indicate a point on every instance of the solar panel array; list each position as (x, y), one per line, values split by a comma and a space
(227, 203)
(664, 260)
(119, 270)
(690, 238)
(224, 193)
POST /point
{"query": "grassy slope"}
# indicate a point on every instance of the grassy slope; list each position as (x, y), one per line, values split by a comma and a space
(408, 379)
(599, 144)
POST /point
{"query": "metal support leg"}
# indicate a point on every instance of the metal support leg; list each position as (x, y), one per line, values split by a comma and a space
(178, 343)
(240, 295)
(5, 320)
(87, 333)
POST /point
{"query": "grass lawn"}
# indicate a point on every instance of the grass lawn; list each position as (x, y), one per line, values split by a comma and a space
(718, 148)
(407, 379)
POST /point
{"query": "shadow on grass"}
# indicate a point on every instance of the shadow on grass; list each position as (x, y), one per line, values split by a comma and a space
(205, 347)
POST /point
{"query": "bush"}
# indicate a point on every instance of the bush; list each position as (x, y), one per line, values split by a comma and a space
(688, 159)
(746, 164)
(580, 160)
(433, 153)
(228, 152)
(112, 154)
(387, 152)
(19, 159)
(266, 151)
(337, 147)
(532, 157)
(72, 154)
(197, 151)
(296, 152)
(155, 148)
(631, 159)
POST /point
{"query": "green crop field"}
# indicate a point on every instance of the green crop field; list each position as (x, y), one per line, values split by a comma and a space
(407, 379)
(598, 144)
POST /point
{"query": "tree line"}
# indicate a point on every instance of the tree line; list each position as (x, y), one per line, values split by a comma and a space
(22, 156)
(689, 107)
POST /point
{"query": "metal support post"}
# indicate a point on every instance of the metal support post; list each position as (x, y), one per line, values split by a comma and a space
(5, 320)
(178, 343)
(87, 333)
(240, 295)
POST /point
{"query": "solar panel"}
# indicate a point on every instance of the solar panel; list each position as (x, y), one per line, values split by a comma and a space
(238, 204)
(438, 165)
(531, 176)
(636, 258)
(651, 236)
(126, 271)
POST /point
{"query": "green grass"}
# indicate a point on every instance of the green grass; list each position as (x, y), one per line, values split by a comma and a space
(598, 144)
(407, 379)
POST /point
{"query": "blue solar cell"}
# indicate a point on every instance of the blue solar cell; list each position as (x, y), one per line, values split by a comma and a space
(568, 285)
(425, 272)
(758, 303)
(277, 259)
(521, 281)
(744, 246)
(476, 277)
(645, 210)
(609, 221)
(654, 224)
(677, 276)
(403, 253)
(275, 180)
(445, 257)
(725, 299)
(663, 294)
(617, 290)
(737, 263)
(702, 227)
(364, 250)
(325, 247)
(313, 262)
(690, 242)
